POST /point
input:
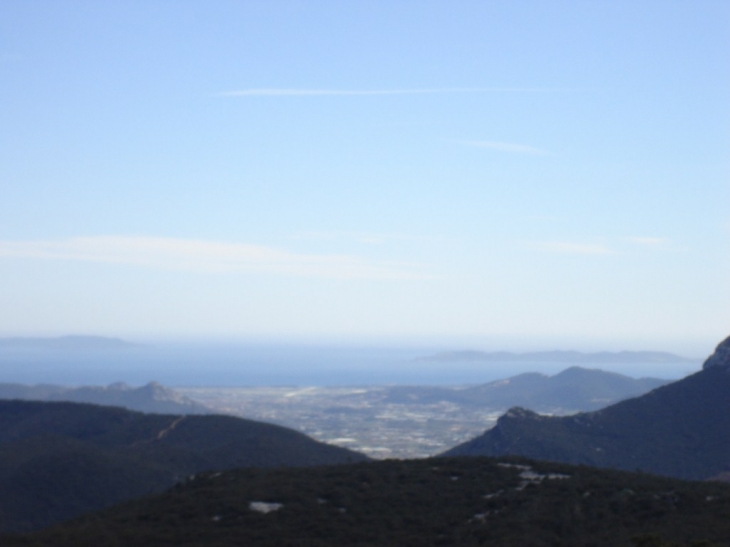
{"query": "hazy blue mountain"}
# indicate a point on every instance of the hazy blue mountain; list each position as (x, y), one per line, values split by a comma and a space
(567, 357)
(681, 429)
(66, 343)
(58, 460)
(152, 397)
(572, 390)
(464, 502)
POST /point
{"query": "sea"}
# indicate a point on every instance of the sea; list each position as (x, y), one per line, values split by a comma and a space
(243, 365)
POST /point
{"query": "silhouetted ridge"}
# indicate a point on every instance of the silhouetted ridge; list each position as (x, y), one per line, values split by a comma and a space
(680, 430)
(58, 460)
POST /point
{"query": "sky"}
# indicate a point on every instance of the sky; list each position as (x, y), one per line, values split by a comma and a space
(497, 175)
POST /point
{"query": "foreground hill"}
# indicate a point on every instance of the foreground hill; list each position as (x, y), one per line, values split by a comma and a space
(59, 460)
(572, 390)
(679, 430)
(460, 502)
(152, 397)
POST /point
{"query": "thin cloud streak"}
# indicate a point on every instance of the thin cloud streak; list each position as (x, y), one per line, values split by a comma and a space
(658, 244)
(288, 92)
(209, 257)
(507, 147)
(565, 247)
(370, 238)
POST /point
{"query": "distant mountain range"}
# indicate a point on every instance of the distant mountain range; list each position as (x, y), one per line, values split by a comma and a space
(152, 397)
(66, 343)
(680, 430)
(572, 390)
(360, 415)
(59, 460)
(464, 502)
(567, 357)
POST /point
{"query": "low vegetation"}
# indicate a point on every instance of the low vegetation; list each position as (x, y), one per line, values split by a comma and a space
(454, 501)
(60, 460)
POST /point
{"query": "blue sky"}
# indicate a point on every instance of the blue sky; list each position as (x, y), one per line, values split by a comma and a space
(482, 173)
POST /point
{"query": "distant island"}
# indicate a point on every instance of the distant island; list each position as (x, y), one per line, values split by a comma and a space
(574, 357)
(66, 343)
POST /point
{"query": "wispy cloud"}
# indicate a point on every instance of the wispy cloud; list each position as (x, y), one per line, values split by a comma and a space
(370, 238)
(507, 147)
(566, 247)
(298, 92)
(210, 256)
(658, 244)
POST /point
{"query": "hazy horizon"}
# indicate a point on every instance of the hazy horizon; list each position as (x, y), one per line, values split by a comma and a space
(235, 363)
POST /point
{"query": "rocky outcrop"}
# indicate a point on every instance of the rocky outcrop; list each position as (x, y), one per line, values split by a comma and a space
(721, 357)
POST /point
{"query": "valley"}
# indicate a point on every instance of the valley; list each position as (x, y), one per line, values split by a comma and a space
(417, 421)
(361, 419)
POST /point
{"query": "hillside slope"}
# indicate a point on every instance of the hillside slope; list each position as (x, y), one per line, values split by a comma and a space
(680, 430)
(58, 460)
(461, 502)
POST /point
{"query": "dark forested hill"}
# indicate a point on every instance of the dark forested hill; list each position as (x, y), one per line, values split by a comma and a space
(460, 502)
(680, 430)
(58, 460)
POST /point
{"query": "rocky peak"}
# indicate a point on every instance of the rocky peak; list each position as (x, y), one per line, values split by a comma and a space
(721, 357)
(521, 413)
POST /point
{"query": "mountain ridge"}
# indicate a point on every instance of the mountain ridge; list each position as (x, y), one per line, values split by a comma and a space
(680, 429)
(571, 390)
